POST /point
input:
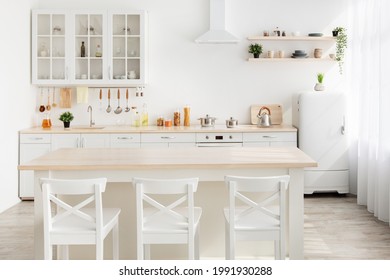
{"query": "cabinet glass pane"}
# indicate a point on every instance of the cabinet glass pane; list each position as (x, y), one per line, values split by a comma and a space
(133, 65)
(58, 69)
(133, 25)
(119, 25)
(119, 70)
(58, 47)
(43, 22)
(58, 25)
(133, 47)
(95, 25)
(43, 68)
(81, 25)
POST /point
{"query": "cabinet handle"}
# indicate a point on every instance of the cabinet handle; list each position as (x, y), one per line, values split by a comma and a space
(168, 137)
(83, 142)
(268, 136)
(124, 138)
(36, 138)
(78, 143)
(109, 72)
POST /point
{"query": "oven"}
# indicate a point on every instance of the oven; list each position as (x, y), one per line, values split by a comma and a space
(214, 139)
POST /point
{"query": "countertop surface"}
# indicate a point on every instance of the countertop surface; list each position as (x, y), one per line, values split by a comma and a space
(182, 158)
(159, 129)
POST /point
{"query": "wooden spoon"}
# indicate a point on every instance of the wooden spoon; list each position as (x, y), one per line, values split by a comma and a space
(42, 107)
(100, 99)
(54, 104)
(48, 106)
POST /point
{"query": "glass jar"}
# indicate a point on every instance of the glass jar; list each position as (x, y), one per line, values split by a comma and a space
(46, 122)
(176, 118)
(168, 123)
(160, 121)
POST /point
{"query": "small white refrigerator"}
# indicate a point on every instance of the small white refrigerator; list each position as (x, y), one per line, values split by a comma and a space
(320, 120)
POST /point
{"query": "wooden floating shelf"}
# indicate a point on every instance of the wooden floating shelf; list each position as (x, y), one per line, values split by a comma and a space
(310, 59)
(291, 38)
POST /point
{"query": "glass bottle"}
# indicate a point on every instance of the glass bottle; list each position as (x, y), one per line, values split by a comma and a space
(82, 53)
(98, 51)
(144, 116)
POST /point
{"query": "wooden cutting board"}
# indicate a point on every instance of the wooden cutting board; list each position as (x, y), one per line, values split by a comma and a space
(276, 113)
(66, 98)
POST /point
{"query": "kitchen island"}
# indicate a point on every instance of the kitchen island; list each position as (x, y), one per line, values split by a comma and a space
(120, 165)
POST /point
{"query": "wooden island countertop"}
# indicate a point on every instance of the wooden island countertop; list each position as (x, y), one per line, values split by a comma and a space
(157, 158)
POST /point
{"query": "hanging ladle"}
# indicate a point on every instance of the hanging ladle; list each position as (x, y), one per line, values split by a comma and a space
(100, 99)
(118, 110)
(127, 101)
(108, 110)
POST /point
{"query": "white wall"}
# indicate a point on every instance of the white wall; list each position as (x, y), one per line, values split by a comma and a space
(17, 94)
(216, 79)
(213, 79)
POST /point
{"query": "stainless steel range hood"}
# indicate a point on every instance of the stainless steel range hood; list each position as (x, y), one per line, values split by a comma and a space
(217, 33)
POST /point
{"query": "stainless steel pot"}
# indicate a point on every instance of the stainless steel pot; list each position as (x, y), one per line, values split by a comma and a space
(207, 121)
(230, 123)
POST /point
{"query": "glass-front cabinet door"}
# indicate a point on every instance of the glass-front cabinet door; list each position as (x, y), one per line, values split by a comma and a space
(49, 47)
(89, 47)
(127, 47)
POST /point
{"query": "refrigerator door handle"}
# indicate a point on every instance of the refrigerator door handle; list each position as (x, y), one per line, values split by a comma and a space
(343, 126)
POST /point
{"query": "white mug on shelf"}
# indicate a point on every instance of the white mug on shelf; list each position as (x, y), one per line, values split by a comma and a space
(270, 54)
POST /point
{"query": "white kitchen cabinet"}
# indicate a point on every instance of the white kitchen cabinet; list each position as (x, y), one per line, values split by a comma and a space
(127, 46)
(31, 146)
(75, 140)
(168, 140)
(50, 50)
(125, 140)
(114, 43)
(264, 139)
(89, 28)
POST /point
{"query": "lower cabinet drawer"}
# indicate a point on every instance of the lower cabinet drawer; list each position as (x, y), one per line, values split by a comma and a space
(35, 138)
(167, 137)
(270, 137)
(125, 140)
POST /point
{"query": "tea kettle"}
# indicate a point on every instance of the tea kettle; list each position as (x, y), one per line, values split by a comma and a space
(264, 117)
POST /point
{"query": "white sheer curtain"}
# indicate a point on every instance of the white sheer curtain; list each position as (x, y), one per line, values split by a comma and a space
(368, 74)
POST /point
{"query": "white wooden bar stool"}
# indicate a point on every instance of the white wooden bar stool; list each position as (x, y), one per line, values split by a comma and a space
(159, 223)
(76, 224)
(260, 218)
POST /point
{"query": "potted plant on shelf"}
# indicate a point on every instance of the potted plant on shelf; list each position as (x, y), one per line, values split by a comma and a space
(66, 118)
(341, 44)
(256, 50)
(319, 86)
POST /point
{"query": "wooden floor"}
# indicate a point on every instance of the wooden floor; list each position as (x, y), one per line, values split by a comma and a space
(335, 228)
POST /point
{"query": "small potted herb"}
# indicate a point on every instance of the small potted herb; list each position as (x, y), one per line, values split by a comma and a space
(256, 50)
(340, 33)
(66, 118)
(319, 86)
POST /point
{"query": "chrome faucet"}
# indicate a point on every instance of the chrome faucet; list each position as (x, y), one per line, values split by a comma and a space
(91, 122)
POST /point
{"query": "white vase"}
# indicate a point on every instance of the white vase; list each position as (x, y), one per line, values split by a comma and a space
(319, 87)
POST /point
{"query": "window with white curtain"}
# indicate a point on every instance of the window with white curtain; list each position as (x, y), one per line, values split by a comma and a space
(368, 70)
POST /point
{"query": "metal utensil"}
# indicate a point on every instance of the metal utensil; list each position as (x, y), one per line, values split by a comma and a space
(127, 101)
(108, 110)
(118, 109)
(42, 107)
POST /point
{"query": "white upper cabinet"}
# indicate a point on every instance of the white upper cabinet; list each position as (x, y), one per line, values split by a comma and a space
(88, 47)
(50, 35)
(127, 47)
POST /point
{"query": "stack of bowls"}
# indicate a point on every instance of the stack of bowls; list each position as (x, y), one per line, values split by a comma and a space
(299, 54)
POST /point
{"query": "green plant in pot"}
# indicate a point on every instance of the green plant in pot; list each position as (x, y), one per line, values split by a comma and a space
(66, 118)
(319, 85)
(341, 44)
(256, 50)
